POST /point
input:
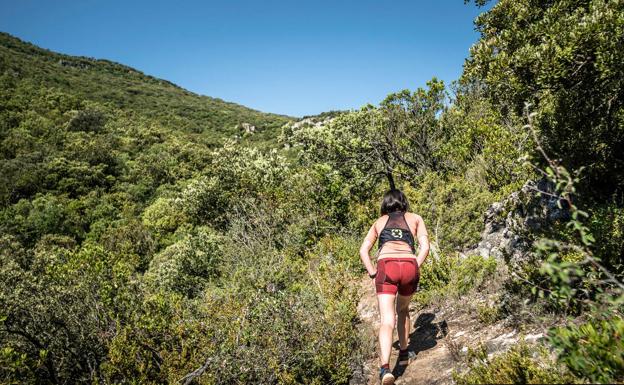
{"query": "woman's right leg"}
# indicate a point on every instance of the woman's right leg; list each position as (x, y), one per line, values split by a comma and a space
(386, 312)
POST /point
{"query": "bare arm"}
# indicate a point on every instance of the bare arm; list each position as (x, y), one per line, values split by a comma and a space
(423, 241)
(367, 244)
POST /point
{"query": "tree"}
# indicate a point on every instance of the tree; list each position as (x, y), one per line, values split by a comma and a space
(565, 58)
(399, 138)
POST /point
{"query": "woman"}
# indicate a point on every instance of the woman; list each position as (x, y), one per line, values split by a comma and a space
(397, 272)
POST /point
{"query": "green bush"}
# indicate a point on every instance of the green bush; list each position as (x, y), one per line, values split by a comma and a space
(452, 207)
(436, 272)
(481, 145)
(488, 314)
(593, 350)
(473, 272)
(522, 364)
(57, 312)
(87, 120)
(564, 57)
(188, 265)
(606, 223)
(444, 276)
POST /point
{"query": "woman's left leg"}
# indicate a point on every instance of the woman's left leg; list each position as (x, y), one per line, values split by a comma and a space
(403, 319)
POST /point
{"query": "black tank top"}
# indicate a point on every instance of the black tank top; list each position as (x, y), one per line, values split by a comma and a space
(396, 229)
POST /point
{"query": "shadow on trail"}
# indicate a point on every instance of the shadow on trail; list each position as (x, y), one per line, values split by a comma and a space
(424, 337)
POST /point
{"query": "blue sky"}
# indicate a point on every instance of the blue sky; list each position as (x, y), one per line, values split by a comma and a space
(290, 57)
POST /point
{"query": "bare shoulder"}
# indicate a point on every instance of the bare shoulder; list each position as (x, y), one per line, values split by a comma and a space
(414, 217)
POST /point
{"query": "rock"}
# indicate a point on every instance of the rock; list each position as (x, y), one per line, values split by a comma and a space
(534, 337)
(248, 128)
(508, 224)
(311, 122)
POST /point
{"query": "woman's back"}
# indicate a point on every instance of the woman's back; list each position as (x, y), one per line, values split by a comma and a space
(396, 232)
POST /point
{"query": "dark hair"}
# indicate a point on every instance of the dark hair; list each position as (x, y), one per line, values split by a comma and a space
(394, 200)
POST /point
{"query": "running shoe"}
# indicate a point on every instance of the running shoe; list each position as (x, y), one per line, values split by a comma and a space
(406, 356)
(386, 377)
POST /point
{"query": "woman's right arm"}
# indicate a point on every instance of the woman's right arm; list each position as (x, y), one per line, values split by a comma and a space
(367, 244)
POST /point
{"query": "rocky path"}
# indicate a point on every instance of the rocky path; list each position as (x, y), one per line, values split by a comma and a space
(440, 336)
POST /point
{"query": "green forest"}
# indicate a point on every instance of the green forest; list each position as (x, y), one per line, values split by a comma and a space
(149, 236)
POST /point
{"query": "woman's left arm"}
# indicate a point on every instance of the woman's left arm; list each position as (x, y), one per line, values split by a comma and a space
(367, 244)
(423, 241)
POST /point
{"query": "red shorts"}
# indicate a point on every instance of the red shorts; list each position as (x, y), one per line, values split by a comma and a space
(397, 275)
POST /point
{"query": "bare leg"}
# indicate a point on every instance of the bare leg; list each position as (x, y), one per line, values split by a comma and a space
(403, 319)
(386, 312)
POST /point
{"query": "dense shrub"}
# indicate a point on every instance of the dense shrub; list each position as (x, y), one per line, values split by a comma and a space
(564, 57)
(606, 223)
(522, 364)
(593, 350)
(481, 143)
(453, 208)
(56, 313)
(444, 276)
(188, 265)
(87, 120)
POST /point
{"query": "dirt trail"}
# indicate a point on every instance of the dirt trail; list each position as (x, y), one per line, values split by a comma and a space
(439, 336)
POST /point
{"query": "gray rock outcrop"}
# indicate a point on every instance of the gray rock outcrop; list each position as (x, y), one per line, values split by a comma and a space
(248, 128)
(510, 224)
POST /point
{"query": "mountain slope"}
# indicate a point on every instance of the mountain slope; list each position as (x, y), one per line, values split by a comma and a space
(126, 88)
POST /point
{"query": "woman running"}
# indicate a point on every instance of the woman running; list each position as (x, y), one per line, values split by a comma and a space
(397, 271)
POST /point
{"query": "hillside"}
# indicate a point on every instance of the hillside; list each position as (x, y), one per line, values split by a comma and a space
(129, 89)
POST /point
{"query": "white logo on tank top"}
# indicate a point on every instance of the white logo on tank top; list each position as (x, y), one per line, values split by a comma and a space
(396, 233)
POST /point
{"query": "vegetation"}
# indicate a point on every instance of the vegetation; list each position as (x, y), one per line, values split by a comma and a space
(566, 77)
(27, 68)
(563, 57)
(520, 365)
(451, 277)
(145, 239)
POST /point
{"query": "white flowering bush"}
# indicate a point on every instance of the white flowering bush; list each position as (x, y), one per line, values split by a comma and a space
(188, 265)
